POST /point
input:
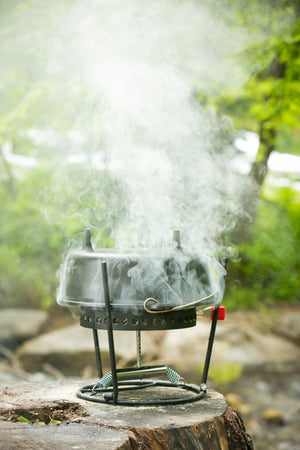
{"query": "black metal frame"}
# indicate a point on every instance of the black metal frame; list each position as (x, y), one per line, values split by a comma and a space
(111, 394)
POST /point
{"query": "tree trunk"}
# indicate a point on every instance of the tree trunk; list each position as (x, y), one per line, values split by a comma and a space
(206, 424)
(257, 176)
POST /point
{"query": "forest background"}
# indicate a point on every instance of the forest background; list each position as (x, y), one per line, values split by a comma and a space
(40, 204)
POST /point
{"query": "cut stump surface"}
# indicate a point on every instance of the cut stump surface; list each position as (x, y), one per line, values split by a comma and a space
(71, 423)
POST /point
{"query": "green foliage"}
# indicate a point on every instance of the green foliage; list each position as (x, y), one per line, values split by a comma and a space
(269, 265)
(222, 373)
(23, 419)
(44, 210)
(270, 99)
(52, 421)
(27, 251)
(41, 212)
(268, 104)
(287, 141)
(273, 91)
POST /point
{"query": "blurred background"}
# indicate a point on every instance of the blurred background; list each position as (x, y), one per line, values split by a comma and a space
(65, 119)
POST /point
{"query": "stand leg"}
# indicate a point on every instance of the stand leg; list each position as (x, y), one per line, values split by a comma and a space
(209, 349)
(138, 349)
(110, 333)
(97, 353)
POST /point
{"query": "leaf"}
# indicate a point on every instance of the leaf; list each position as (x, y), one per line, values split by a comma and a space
(22, 419)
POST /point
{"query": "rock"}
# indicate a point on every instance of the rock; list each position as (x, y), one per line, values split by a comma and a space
(288, 326)
(273, 416)
(17, 325)
(236, 401)
(71, 350)
(235, 342)
(258, 350)
(253, 426)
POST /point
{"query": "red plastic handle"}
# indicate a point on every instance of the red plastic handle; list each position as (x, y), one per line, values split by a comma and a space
(221, 315)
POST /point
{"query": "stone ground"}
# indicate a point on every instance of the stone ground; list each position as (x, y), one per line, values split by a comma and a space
(255, 362)
(269, 403)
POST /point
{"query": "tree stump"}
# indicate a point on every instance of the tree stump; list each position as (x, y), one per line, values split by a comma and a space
(67, 422)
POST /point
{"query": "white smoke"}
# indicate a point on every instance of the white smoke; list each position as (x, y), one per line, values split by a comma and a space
(139, 65)
(115, 86)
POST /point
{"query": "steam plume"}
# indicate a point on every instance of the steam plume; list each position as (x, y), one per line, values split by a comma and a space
(139, 65)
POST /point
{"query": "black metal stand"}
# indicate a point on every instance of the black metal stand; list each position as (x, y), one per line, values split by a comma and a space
(101, 394)
(97, 353)
(211, 338)
(110, 333)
